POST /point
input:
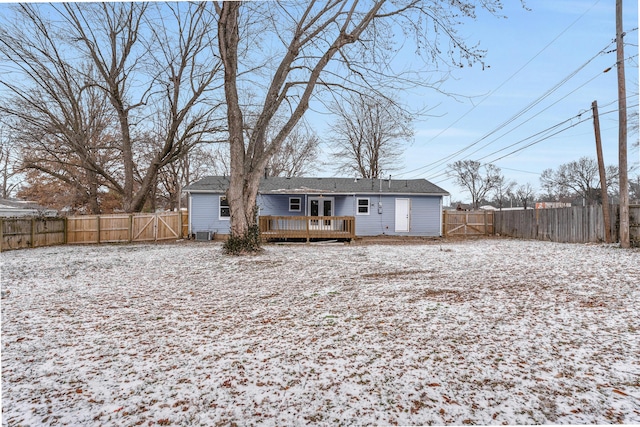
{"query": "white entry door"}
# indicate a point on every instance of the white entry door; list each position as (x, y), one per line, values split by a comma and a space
(403, 215)
(320, 206)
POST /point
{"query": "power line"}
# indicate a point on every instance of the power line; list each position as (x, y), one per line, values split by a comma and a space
(520, 170)
(444, 167)
(545, 131)
(510, 120)
(538, 140)
(534, 116)
(439, 163)
(547, 137)
(509, 79)
(444, 170)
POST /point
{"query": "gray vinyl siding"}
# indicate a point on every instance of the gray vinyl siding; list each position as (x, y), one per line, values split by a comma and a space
(204, 214)
(425, 216)
(425, 212)
(343, 206)
(278, 204)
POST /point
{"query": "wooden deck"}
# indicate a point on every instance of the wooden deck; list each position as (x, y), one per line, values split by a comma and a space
(307, 227)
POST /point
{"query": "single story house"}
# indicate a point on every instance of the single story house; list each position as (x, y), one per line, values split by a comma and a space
(21, 208)
(312, 207)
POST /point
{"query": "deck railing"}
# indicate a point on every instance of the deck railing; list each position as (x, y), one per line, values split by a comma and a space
(307, 227)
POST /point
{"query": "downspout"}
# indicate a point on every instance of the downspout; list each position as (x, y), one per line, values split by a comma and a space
(190, 228)
(441, 198)
(379, 210)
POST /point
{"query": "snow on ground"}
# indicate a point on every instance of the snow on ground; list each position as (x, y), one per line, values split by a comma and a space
(474, 332)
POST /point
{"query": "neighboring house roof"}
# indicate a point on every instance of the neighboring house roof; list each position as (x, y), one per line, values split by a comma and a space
(17, 208)
(312, 185)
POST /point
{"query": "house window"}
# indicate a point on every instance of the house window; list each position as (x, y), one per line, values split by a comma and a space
(225, 213)
(295, 204)
(363, 206)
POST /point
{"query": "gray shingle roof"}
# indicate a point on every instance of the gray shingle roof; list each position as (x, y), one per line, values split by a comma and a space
(312, 185)
(17, 208)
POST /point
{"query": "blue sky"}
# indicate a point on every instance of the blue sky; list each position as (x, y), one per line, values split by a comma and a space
(528, 53)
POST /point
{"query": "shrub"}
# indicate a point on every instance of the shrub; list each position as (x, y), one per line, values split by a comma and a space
(248, 243)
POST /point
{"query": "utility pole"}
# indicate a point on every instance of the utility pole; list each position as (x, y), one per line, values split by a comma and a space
(622, 131)
(603, 175)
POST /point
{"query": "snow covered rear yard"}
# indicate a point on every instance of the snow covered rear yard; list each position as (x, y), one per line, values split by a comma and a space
(475, 332)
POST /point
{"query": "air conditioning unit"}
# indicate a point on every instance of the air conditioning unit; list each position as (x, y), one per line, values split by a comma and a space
(203, 236)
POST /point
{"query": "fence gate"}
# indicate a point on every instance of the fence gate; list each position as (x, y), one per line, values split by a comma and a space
(159, 226)
(139, 227)
(467, 223)
(169, 226)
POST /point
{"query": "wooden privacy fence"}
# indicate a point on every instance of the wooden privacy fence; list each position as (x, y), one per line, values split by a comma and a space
(467, 223)
(125, 228)
(565, 225)
(17, 233)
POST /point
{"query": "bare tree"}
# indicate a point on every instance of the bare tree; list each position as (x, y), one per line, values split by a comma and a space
(60, 123)
(316, 49)
(9, 163)
(151, 65)
(525, 194)
(9, 171)
(297, 155)
(200, 161)
(369, 135)
(477, 179)
(502, 190)
(634, 189)
(185, 69)
(578, 179)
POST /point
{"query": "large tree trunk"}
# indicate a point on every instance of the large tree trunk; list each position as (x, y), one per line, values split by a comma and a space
(228, 38)
(247, 164)
(127, 160)
(315, 34)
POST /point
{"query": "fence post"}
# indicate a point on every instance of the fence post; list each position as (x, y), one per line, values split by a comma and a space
(130, 228)
(155, 227)
(98, 219)
(486, 224)
(33, 232)
(1, 235)
(444, 223)
(65, 230)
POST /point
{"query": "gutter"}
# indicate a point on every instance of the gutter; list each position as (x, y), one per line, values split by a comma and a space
(318, 192)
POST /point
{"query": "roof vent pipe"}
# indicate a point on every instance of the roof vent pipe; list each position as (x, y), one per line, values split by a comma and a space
(266, 173)
(389, 181)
